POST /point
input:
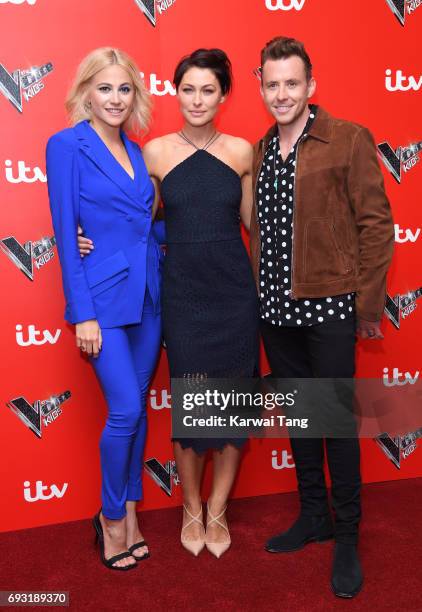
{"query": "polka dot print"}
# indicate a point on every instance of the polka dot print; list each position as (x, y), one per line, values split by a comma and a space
(275, 213)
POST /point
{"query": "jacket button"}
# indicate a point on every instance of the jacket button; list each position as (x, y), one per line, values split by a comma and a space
(129, 218)
(143, 239)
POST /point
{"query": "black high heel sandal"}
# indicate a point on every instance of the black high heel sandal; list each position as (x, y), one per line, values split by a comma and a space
(99, 537)
(134, 547)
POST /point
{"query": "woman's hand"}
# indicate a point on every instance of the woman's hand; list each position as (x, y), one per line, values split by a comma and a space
(85, 245)
(88, 337)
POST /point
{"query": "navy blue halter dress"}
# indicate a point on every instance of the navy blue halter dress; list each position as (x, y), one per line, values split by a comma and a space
(209, 298)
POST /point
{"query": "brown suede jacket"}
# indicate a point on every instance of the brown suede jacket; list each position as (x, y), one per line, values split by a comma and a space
(343, 234)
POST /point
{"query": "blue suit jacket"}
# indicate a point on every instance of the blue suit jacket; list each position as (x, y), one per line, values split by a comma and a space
(88, 186)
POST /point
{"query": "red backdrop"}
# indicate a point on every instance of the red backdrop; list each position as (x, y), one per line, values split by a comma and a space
(352, 46)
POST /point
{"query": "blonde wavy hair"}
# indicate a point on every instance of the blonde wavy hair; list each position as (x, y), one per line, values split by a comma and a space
(76, 103)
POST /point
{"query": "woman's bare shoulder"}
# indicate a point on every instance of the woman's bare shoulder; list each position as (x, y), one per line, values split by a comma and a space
(240, 145)
(153, 145)
(160, 145)
(236, 141)
(239, 148)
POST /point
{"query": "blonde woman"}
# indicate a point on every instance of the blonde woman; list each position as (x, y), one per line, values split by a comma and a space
(97, 178)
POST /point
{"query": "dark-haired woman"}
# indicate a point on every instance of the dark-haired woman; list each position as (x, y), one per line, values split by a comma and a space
(209, 303)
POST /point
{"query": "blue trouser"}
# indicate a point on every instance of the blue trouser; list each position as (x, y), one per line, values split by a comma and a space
(124, 368)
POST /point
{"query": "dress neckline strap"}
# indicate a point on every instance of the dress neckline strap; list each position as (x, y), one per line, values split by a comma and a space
(206, 145)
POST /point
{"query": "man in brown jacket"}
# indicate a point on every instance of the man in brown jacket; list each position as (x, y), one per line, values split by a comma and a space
(321, 242)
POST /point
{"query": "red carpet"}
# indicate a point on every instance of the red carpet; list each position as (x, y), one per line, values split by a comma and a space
(62, 557)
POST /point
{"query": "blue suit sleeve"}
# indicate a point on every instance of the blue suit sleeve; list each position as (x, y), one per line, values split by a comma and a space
(159, 231)
(63, 190)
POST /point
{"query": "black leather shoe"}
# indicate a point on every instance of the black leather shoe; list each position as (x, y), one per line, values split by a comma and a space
(306, 529)
(347, 578)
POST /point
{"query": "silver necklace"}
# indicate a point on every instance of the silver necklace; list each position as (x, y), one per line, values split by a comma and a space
(276, 152)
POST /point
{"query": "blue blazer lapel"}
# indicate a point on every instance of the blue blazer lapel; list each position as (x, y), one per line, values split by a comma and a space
(143, 184)
(92, 146)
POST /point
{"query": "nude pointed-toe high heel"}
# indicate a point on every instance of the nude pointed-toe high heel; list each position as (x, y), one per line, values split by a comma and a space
(217, 548)
(193, 546)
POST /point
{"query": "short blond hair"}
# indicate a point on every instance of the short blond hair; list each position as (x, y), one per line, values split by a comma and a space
(76, 104)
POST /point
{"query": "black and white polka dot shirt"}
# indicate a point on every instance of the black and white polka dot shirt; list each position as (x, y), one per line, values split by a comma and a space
(275, 197)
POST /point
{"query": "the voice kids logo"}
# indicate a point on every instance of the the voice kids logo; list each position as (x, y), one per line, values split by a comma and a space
(42, 492)
(152, 8)
(29, 254)
(21, 84)
(401, 306)
(402, 82)
(35, 337)
(401, 8)
(39, 414)
(22, 173)
(397, 448)
(284, 5)
(165, 476)
(400, 160)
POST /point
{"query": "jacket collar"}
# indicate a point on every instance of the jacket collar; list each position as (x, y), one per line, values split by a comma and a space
(322, 126)
(92, 145)
(321, 129)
